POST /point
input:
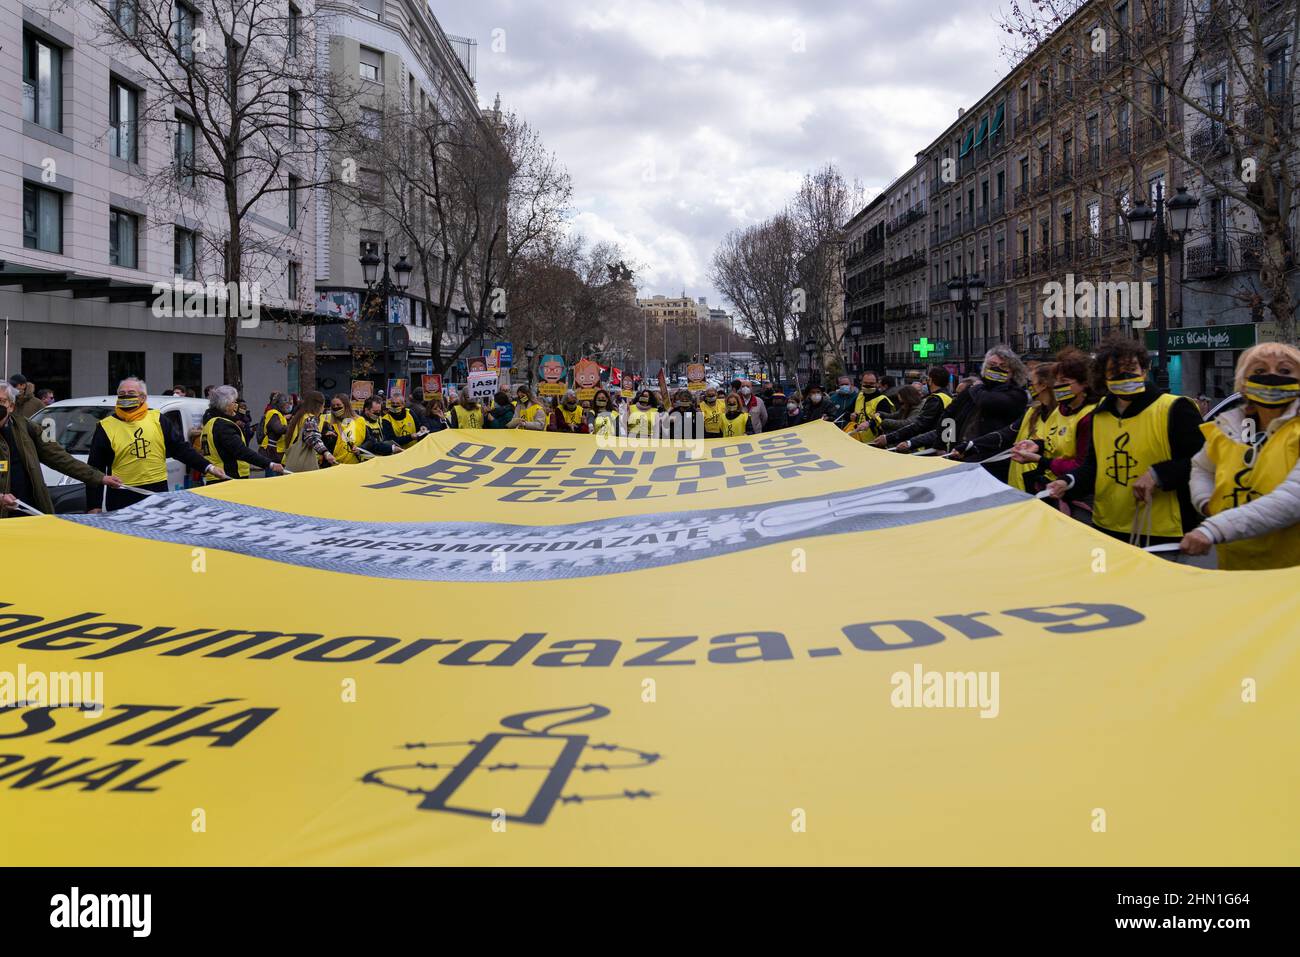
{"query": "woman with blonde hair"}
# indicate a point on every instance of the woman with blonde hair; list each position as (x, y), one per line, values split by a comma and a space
(1245, 478)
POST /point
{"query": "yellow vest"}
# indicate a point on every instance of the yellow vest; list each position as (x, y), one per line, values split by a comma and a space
(1236, 483)
(401, 427)
(208, 449)
(530, 413)
(139, 448)
(642, 424)
(713, 414)
(1035, 430)
(734, 427)
(1061, 436)
(1125, 450)
(468, 418)
(576, 417)
(346, 437)
(375, 429)
(606, 423)
(863, 407)
(282, 442)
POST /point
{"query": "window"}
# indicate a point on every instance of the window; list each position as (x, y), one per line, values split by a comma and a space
(372, 186)
(370, 240)
(1093, 130)
(1024, 171)
(124, 365)
(51, 369)
(374, 8)
(183, 256)
(123, 12)
(1094, 219)
(1276, 80)
(1002, 184)
(183, 18)
(295, 29)
(1216, 208)
(184, 151)
(295, 276)
(187, 371)
(371, 123)
(1158, 100)
(1156, 187)
(42, 219)
(1218, 94)
(123, 118)
(295, 185)
(295, 115)
(372, 65)
(123, 231)
(42, 82)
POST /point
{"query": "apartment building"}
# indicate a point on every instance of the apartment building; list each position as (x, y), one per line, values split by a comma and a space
(400, 61)
(864, 287)
(677, 310)
(906, 262)
(98, 202)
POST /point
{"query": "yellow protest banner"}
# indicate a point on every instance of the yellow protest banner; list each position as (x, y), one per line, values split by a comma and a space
(513, 647)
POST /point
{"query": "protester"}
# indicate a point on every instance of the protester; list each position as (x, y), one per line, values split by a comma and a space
(1023, 473)
(844, 399)
(28, 405)
(871, 401)
(604, 415)
(568, 415)
(275, 427)
(643, 417)
(23, 450)
(712, 408)
(134, 444)
(45, 395)
(400, 424)
(788, 414)
(681, 421)
(1245, 478)
(372, 416)
(736, 421)
(501, 412)
(752, 405)
(224, 442)
(907, 402)
(529, 413)
(1143, 441)
(307, 447)
(1067, 435)
(817, 406)
(466, 413)
(928, 417)
(344, 432)
(993, 402)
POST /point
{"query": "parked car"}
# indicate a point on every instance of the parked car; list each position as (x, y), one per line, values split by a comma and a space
(71, 423)
(1223, 405)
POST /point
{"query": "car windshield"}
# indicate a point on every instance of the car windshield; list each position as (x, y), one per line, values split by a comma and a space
(72, 426)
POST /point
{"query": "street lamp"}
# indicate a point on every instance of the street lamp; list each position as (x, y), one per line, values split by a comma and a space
(855, 332)
(1157, 235)
(810, 349)
(966, 292)
(378, 292)
(530, 351)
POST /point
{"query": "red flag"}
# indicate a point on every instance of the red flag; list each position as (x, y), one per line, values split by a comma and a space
(615, 376)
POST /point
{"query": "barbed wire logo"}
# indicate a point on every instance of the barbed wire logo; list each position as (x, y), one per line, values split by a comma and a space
(530, 727)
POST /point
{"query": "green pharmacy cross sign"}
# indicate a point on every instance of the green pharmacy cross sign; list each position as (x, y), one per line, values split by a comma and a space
(924, 347)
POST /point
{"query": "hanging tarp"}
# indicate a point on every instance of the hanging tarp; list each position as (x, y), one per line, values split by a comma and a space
(512, 647)
(998, 116)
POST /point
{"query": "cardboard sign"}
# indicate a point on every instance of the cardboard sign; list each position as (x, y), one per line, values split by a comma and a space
(431, 384)
(552, 388)
(362, 389)
(483, 385)
(695, 377)
(551, 369)
(397, 387)
(493, 359)
(586, 376)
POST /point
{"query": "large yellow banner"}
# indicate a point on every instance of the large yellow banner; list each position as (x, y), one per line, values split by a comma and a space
(528, 648)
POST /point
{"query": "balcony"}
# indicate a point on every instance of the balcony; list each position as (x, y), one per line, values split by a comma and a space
(939, 293)
(1041, 108)
(1211, 31)
(1150, 131)
(1207, 141)
(997, 274)
(1063, 173)
(999, 206)
(1020, 194)
(1043, 181)
(1206, 261)
(1119, 145)
(1063, 254)
(1250, 252)
(982, 216)
(907, 264)
(1020, 267)
(1153, 29)
(1040, 261)
(1117, 55)
(905, 219)
(1065, 92)
(1022, 121)
(1089, 160)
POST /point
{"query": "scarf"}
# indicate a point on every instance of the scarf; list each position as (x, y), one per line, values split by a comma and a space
(132, 415)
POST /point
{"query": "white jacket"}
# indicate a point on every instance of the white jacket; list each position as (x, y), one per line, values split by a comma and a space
(1278, 509)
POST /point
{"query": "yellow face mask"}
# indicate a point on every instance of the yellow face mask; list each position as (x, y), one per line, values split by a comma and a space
(1134, 385)
(1271, 390)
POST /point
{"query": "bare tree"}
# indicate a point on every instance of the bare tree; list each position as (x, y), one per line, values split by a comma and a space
(824, 203)
(237, 86)
(754, 268)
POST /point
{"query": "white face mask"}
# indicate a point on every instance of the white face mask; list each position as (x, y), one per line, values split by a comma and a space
(746, 390)
(792, 406)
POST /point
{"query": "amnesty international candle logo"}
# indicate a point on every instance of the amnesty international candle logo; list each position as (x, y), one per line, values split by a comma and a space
(1120, 465)
(522, 774)
(140, 447)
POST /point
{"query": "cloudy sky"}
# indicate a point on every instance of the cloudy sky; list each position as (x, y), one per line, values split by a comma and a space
(681, 119)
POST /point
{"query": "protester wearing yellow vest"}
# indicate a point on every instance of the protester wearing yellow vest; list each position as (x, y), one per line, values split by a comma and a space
(23, 450)
(344, 433)
(568, 416)
(1065, 434)
(223, 443)
(275, 428)
(529, 413)
(372, 415)
(604, 421)
(134, 444)
(1250, 451)
(643, 417)
(734, 421)
(466, 413)
(712, 409)
(1032, 430)
(1143, 441)
(399, 423)
(869, 403)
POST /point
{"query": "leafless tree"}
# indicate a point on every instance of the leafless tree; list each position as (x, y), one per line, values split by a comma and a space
(824, 203)
(754, 268)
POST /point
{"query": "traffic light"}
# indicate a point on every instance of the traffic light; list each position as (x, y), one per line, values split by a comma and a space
(706, 357)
